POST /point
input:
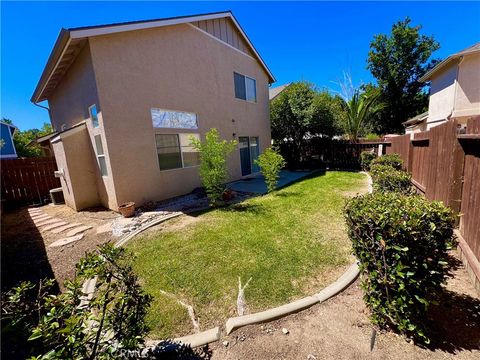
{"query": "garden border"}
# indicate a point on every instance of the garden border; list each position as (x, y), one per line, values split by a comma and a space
(214, 334)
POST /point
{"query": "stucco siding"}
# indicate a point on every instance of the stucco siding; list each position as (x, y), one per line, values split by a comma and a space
(442, 95)
(176, 68)
(467, 98)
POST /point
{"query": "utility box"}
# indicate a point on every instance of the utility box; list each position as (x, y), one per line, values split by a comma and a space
(57, 196)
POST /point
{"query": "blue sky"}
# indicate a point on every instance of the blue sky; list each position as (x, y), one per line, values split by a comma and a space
(315, 41)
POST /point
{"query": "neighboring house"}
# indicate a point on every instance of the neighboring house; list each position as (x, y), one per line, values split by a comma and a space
(126, 98)
(416, 124)
(275, 91)
(7, 150)
(455, 87)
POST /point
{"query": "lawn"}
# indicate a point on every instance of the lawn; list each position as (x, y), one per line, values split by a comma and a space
(291, 243)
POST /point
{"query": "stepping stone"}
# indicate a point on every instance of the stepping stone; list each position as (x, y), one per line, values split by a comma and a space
(65, 227)
(36, 214)
(104, 228)
(47, 222)
(67, 240)
(54, 225)
(78, 230)
(42, 218)
(32, 211)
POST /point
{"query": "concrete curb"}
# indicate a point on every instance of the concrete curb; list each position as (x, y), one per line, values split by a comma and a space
(200, 339)
(333, 289)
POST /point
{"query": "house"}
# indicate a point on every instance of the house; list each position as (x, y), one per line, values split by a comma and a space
(416, 124)
(275, 91)
(455, 88)
(125, 99)
(7, 147)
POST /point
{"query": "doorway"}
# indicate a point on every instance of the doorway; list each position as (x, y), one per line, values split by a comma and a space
(249, 151)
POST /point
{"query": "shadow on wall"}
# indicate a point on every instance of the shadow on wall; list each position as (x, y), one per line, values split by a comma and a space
(24, 257)
(455, 321)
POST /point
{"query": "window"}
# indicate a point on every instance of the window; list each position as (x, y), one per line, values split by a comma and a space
(175, 151)
(173, 119)
(102, 163)
(245, 87)
(92, 110)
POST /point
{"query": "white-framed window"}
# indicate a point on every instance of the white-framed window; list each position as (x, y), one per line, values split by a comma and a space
(245, 87)
(92, 110)
(171, 119)
(102, 162)
(175, 151)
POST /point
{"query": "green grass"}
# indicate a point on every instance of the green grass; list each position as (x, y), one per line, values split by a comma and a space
(291, 243)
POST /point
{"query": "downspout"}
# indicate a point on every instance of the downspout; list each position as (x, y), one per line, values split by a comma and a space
(46, 108)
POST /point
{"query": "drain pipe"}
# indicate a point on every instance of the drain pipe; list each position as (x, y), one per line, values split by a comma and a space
(46, 108)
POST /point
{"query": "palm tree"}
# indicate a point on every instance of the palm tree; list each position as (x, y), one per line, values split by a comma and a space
(359, 109)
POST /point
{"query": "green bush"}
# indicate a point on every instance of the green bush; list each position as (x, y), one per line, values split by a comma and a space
(393, 160)
(213, 163)
(270, 163)
(401, 243)
(366, 158)
(65, 326)
(386, 178)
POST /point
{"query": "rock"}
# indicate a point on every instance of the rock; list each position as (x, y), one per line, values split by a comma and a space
(242, 338)
(225, 343)
(285, 331)
(311, 357)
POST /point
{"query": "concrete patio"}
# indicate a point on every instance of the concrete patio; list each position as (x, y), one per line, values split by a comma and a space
(256, 183)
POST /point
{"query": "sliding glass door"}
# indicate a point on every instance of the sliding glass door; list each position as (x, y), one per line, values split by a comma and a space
(249, 151)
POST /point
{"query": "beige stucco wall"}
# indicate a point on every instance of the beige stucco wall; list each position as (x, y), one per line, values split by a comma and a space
(442, 95)
(73, 154)
(69, 105)
(176, 68)
(467, 97)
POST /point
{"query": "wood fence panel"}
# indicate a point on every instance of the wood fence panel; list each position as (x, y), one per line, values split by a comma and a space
(401, 145)
(470, 207)
(420, 157)
(27, 181)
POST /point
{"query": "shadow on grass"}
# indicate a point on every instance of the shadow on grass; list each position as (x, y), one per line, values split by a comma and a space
(171, 350)
(455, 321)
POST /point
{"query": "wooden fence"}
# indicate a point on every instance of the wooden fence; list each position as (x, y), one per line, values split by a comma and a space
(445, 166)
(28, 181)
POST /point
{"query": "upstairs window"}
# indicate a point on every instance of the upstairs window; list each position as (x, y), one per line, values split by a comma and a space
(245, 87)
(92, 110)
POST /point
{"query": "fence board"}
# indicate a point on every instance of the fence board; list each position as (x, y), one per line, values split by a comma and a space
(401, 145)
(27, 181)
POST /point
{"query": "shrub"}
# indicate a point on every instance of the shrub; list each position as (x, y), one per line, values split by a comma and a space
(386, 178)
(401, 243)
(366, 158)
(213, 163)
(61, 326)
(270, 163)
(393, 160)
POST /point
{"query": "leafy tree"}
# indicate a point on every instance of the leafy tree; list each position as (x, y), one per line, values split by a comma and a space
(22, 140)
(397, 61)
(213, 163)
(301, 111)
(359, 110)
(270, 163)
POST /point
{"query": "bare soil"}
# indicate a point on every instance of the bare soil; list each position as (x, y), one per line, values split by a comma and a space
(340, 329)
(25, 251)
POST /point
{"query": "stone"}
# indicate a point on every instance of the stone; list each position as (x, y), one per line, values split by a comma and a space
(311, 357)
(41, 218)
(67, 240)
(54, 225)
(79, 229)
(285, 331)
(101, 229)
(47, 222)
(225, 343)
(65, 227)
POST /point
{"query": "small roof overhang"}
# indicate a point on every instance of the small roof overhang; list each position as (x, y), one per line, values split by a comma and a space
(416, 120)
(450, 60)
(70, 131)
(71, 41)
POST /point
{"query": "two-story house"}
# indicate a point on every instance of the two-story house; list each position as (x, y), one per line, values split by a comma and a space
(126, 98)
(454, 90)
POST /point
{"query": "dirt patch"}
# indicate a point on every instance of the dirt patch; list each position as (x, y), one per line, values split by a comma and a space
(340, 329)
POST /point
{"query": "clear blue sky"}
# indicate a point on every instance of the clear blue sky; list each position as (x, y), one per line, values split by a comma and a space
(315, 41)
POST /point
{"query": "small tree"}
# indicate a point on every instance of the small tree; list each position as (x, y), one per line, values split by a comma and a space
(271, 162)
(213, 163)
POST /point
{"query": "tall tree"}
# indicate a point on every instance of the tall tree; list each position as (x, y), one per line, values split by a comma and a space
(397, 61)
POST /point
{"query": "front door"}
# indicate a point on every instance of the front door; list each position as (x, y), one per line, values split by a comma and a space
(249, 151)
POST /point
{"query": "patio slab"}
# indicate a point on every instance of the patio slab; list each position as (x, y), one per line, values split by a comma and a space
(256, 184)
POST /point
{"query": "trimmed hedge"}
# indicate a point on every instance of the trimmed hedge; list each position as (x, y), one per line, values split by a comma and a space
(366, 158)
(393, 160)
(386, 178)
(401, 242)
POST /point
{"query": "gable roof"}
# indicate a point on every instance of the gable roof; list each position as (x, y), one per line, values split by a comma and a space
(416, 120)
(12, 127)
(71, 41)
(470, 50)
(275, 91)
